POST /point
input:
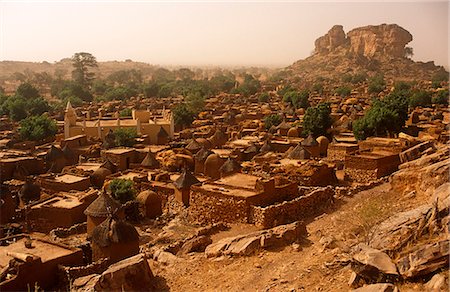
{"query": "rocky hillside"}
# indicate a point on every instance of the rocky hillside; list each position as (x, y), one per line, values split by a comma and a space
(371, 49)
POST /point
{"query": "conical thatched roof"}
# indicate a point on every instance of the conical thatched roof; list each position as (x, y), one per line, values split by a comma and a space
(114, 231)
(194, 146)
(284, 125)
(54, 153)
(202, 154)
(109, 165)
(251, 149)
(103, 206)
(150, 161)
(310, 141)
(30, 191)
(20, 172)
(299, 152)
(230, 166)
(185, 180)
(162, 133)
(266, 147)
(69, 154)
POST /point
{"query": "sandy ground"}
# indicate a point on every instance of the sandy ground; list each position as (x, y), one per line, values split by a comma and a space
(312, 267)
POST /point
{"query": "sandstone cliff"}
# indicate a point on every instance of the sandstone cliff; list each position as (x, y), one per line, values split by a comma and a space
(372, 49)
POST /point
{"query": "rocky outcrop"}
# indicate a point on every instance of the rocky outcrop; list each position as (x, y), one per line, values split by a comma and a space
(385, 40)
(248, 244)
(333, 39)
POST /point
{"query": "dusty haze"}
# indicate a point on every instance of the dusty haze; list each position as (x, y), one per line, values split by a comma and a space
(226, 34)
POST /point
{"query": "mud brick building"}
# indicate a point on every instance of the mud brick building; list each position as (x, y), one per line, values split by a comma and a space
(64, 182)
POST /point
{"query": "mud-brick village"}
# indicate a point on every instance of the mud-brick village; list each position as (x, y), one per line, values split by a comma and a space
(330, 174)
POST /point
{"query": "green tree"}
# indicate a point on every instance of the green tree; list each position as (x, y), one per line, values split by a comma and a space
(317, 120)
(27, 91)
(16, 108)
(297, 99)
(38, 106)
(122, 190)
(72, 89)
(125, 137)
(126, 112)
(150, 89)
(37, 128)
(195, 103)
(82, 63)
(182, 115)
(272, 120)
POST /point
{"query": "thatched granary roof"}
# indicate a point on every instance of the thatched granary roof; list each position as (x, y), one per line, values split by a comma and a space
(30, 191)
(150, 160)
(20, 172)
(185, 180)
(162, 133)
(54, 153)
(98, 176)
(194, 146)
(230, 166)
(103, 206)
(202, 154)
(114, 231)
(310, 141)
(109, 165)
(299, 152)
(266, 147)
(68, 153)
(251, 149)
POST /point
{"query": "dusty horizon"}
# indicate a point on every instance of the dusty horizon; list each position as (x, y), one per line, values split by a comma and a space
(206, 34)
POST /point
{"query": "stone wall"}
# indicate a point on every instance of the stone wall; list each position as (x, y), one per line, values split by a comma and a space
(300, 208)
(210, 207)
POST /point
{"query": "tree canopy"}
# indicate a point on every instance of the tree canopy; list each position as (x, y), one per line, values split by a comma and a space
(82, 63)
(317, 120)
(37, 128)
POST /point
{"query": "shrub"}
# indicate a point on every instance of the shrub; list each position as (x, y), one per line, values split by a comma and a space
(317, 87)
(297, 99)
(441, 97)
(122, 190)
(376, 84)
(27, 91)
(272, 120)
(420, 98)
(125, 137)
(126, 112)
(264, 97)
(343, 91)
(37, 128)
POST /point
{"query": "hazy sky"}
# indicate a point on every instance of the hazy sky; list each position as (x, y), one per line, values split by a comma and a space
(205, 33)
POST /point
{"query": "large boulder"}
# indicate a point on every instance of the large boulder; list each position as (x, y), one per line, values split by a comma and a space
(131, 274)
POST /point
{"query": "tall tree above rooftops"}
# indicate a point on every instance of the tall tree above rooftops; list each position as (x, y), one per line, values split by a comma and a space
(82, 63)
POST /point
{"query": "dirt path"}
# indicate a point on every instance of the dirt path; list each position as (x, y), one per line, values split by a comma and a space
(290, 269)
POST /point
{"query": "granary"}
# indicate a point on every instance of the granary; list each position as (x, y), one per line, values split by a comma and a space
(27, 262)
(183, 186)
(365, 166)
(162, 138)
(229, 199)
(323, 145)
(151, 203)
(229, 167)
(194, 146)
(55, 159)
(212, 166)
(114, 239)
(312, 146)
(69, 155)
(142, 121)
(150, 161)
(64, 182)
(98, 177)
(100, 209)
(61, 210)
(299, 153)
(200, 158)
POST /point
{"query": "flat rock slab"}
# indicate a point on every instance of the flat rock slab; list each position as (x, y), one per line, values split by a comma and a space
(248, 244)
(427, 259)
(130, 274)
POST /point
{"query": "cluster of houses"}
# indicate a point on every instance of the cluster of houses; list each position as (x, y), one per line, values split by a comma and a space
(226, 168)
